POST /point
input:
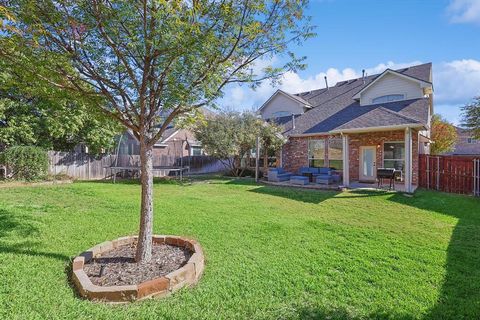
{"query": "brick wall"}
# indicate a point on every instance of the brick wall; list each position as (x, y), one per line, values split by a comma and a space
(377, 139)
(295, 154)
(295, 151)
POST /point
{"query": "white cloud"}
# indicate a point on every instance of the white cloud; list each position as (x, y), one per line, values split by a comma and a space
(455, 83)
(464, 11)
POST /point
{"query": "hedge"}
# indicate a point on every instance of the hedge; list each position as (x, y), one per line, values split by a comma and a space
(25, 162)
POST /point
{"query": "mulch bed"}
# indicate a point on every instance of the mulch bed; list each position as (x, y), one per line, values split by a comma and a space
(118, 267)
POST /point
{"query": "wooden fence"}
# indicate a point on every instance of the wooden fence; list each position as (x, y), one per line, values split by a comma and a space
(87, 167)
(454, 174)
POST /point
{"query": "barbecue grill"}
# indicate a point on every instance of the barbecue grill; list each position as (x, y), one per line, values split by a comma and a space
(387, 173)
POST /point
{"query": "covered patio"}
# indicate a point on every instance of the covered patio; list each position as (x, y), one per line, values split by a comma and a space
(399, 186)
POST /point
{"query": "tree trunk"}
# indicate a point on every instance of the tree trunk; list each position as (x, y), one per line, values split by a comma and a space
(144, 245)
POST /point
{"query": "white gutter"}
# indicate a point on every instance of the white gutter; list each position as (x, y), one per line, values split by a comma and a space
(373, 129)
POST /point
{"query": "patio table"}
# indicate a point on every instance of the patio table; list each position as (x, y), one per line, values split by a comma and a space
(309, 175)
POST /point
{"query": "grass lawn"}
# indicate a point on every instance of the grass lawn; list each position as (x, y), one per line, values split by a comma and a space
(270, 252)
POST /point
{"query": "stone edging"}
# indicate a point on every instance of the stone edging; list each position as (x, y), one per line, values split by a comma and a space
(189, 274)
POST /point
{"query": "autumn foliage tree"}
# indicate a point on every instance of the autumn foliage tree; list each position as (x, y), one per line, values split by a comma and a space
(443, 135)
(138, 60)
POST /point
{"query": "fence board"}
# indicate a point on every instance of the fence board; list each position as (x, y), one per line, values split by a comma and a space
(86, 167)
(452, 174)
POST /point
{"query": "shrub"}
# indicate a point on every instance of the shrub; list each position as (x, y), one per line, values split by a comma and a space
(25, 162)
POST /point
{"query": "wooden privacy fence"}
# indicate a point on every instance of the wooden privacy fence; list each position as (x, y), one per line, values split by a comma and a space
(87, 167)
(454, 174)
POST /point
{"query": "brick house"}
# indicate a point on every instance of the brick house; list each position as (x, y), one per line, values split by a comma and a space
(358, 125)
(466, 144)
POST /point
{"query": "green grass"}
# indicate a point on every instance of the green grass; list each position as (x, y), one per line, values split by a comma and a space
(271, 253)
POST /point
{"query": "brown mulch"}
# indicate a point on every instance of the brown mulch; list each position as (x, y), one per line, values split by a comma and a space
(118, 267)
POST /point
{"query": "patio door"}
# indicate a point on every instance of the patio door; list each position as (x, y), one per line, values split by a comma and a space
(368, 170)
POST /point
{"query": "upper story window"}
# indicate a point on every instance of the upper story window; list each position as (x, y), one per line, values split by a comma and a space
(471, 140)
(388, 98)
(280, 114)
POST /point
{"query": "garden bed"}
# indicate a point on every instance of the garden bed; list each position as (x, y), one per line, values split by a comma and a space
(108, 271)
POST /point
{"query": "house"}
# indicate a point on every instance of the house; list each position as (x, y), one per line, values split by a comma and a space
(466, 144)
(358, 125)
(175, 142)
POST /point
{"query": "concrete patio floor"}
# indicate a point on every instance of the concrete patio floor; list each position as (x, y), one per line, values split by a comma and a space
(399, 186)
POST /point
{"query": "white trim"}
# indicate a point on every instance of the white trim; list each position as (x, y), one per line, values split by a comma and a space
(346, 165)
(423, 84)
(408, 160)
(305, 135)
(286, 95)
(381, 128)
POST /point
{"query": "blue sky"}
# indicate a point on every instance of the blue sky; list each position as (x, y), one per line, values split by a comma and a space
(375, 34)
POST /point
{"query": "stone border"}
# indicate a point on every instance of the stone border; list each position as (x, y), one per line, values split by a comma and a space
(187, 275)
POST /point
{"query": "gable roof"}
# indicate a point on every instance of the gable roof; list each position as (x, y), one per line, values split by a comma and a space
(394, 72)
(293, 97)
(377, 118)
(334, 107)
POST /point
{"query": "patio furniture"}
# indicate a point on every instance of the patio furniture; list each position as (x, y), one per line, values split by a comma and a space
(324, 176)
(278, 175)
(301, 180)
(309, 175)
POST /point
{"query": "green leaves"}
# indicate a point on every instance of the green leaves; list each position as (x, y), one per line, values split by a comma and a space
(471, 116)
(444, 135)
(232, 135)
(137, 60)
(25, 162)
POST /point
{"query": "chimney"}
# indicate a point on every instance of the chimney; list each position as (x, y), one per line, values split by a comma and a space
(363, 76)
(326, 82)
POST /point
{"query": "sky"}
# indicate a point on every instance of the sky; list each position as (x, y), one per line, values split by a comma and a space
(377, 34)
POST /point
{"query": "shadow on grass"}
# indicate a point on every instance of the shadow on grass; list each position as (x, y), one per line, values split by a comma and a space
(305, 195)
(460, 292)
(22, 226)
(343, 314)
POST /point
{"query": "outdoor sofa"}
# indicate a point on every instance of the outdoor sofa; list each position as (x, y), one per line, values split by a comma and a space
(278, 175)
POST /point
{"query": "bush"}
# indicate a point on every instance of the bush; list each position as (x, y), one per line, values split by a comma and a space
(25, 162)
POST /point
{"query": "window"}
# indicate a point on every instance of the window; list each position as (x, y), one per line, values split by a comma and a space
(335, 153)
(316, 153)
(471, 140)
(389, 98)
(280, 114)
(394, 155)
(196, 151)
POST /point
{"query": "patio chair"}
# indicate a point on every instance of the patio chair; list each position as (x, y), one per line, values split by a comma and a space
(278, 175)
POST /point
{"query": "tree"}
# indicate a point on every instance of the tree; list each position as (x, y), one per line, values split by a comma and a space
(444, 135)
(471, 117)
(145, 58)
(53, 125)
(230, 136)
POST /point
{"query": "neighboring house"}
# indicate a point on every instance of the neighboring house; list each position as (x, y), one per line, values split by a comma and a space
(466, 144)
(174, 142)
(358, 125)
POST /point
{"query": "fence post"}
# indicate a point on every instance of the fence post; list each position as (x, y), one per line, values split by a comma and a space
(427, 158)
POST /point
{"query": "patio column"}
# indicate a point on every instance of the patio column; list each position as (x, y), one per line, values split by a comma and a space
(408, 160)
(345, 158)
